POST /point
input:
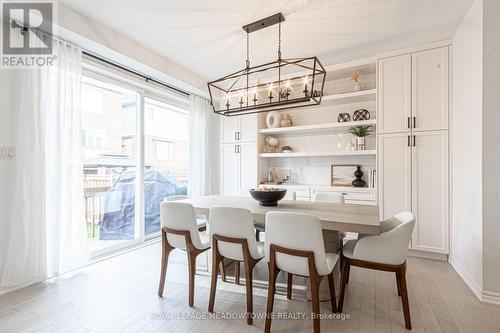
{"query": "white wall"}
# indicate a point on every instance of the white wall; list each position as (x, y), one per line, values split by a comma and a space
(491, 149)
(466, 143)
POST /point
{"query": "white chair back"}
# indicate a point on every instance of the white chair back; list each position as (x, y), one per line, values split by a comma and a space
(290, 195)
(325, 196)
(235, 223)
(298, 232)
(180, 216)
(391, 246)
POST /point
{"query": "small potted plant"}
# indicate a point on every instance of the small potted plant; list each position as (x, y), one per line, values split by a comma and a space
(286, 149)
(361, 132)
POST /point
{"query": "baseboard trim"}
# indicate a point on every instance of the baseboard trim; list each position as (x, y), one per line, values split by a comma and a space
(469, 281)
(490, 297)
(484, 296)
(427, 255)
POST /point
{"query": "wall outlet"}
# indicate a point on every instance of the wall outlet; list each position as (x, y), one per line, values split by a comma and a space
(7, 153)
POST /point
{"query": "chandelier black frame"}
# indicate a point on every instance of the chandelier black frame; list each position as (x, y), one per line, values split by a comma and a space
(249, 101)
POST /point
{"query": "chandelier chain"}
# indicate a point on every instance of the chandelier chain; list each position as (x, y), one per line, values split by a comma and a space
(248, 49)
(279, 39)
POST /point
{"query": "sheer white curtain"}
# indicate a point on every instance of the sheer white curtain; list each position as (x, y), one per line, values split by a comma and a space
(64, 214)
(42, 228)
(201, 152)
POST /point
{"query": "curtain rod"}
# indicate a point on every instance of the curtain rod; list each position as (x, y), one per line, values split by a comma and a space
(127, 69)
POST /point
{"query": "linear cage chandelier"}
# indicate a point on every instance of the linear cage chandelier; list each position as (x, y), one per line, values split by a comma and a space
(281, 84)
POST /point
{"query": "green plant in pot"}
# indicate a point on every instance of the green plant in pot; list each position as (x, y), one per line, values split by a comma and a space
(361, 132)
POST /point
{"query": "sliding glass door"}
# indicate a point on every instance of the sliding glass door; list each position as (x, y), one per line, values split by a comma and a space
(108, 137)
(166, 157)
(134, 144)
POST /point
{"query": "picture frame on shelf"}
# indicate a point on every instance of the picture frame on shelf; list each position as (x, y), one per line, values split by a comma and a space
(342, 175)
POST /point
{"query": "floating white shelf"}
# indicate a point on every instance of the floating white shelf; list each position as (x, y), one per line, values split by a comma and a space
(320, 154)
(351, 97)
(329, 128)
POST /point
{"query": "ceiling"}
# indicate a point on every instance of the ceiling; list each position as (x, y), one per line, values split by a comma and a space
(206, 36)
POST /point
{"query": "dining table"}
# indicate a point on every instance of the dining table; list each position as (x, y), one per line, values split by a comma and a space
(335, 218)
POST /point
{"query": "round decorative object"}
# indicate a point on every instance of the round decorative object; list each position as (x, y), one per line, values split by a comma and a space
(361, 114)
(286, 120)
(343, 118)
(272, 141)
(268, 197)
(358, 182)
(273, 119)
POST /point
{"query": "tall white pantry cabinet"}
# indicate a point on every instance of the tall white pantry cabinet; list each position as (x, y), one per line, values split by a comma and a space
(238, 154)
(413, 151)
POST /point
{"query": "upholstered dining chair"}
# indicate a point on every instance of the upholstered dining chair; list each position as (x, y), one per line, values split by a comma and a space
(201, 220)
(179, 230)
(232, 234)
(260, 226)
(384, 252)
(294, 244)
(325, 196)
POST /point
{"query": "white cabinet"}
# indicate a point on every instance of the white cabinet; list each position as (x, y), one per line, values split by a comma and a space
(239, 128)
(229, 169)
(394, 172)
(393, 96)
(239, 168)
(430, 86)
(413, 152)
(429, 199)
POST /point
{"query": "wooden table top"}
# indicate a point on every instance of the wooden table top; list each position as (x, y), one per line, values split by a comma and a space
(341, 217)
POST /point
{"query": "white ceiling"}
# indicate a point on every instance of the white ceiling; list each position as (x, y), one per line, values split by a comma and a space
(206, 36)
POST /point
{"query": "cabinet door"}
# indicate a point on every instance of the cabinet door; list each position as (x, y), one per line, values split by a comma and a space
(248, 167)
(229, 128)
(394, 174)
(430, 191)
(394, 94)
(430, 90)
(248, 128)
(230, 170)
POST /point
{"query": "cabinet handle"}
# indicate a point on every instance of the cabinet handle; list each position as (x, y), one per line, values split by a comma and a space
(239, 135)
(235, 136)
(235, 149)
(414, 141)
(414, 122)
(409, 143)
(409, 124)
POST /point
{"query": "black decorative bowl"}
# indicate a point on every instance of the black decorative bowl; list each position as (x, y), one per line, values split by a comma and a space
(268, 198)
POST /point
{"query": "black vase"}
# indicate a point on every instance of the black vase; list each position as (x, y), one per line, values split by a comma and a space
(358, 182)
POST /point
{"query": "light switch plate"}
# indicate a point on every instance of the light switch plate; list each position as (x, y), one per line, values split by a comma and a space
(7, 153)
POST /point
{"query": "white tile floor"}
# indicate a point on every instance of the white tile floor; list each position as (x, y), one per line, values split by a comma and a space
(119, 295)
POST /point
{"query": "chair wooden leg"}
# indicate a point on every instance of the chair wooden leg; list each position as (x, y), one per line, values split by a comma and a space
(343, 283)
(222, 270)
(213, 284)
(270, 296)
(347, 275)
(404, 296)
(237, 272)
(164, 263)
(333, 298)
(289, 286)
(257, 235)
(315, 302)
(249, 290)
(397, 283)
(192, 273)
